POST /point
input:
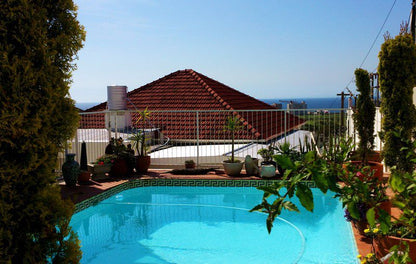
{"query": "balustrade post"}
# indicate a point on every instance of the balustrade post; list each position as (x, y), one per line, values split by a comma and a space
(197, 139)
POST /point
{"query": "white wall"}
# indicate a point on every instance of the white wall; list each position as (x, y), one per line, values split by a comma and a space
(378, 144)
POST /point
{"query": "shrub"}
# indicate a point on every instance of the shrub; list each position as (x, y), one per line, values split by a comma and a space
(364, 115)
(397, 73)
(39, 40)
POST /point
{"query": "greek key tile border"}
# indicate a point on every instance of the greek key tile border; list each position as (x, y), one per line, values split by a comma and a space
(175, 183)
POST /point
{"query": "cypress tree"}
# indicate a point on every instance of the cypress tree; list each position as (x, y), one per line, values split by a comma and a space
(38, 42)
(397, 73)
(364, 115)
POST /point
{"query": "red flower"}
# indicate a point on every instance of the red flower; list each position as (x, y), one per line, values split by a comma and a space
(101, 163)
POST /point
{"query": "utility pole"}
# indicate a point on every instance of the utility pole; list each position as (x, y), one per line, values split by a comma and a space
(342, 94)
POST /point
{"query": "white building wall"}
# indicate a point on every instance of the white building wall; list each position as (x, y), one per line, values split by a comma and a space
(378, 144)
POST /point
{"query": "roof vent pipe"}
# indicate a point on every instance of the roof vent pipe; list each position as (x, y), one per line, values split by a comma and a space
(117, 97)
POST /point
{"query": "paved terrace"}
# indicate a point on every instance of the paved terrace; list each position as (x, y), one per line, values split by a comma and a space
(92, 188)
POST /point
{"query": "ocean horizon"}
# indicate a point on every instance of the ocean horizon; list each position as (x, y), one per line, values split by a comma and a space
(312, 103)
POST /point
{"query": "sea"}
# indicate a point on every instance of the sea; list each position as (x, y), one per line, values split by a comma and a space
(311, 103)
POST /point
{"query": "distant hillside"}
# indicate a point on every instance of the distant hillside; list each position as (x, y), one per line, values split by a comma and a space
(84, 106)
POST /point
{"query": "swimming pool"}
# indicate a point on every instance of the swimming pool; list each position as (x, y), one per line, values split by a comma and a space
(209, 225)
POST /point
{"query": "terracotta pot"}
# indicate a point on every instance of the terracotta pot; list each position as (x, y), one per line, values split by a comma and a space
(375, 166)
(383, 245)
(373, 156)
(84, 176)
(386, 206)
(361, 225)
(120, 168)
(232, 168)
(142, 164)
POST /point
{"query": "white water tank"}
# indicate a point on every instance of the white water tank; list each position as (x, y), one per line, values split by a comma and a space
(117, 118)
(117, 97)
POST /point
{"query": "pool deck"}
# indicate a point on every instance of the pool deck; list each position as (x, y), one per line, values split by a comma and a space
(92, 188)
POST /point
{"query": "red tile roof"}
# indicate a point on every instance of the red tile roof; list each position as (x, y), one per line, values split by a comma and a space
(190, 90)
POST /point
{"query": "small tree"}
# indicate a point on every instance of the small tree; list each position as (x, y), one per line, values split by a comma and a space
(364, 115)
(38, 43)
(143, 117)
(232, 125)
(397, 73)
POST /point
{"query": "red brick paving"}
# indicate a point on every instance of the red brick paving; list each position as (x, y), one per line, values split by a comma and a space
(85, 191)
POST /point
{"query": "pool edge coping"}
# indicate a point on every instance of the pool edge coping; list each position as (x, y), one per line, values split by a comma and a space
(174, 183)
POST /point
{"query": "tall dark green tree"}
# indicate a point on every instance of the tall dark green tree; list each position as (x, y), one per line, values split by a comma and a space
(364, 114)
(39, 41)
(397, 73)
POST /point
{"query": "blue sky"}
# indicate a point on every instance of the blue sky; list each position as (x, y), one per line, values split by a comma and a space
(266, 49)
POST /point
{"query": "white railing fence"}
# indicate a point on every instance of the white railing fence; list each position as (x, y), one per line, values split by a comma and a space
(351, 132)
(200, 135)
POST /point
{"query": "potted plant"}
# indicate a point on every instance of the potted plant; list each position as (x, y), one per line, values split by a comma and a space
(120, 167)
(267, 166)
(101, 166)
(359, 193)
(84, 175)
(189, 164)
(364, 117)
(139, 143)
(232, 167)
(401, 233)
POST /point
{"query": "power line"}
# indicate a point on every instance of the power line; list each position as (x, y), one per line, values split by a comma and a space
(378, 34)
(372, 45)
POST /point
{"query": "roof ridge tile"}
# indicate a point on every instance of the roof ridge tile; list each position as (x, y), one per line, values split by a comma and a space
(218, 97)
(210, 90)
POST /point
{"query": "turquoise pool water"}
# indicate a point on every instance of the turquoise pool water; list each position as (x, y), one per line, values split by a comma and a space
(166, 225)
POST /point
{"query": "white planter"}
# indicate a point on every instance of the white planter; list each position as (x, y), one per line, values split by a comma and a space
(233, 169)
(267, 171)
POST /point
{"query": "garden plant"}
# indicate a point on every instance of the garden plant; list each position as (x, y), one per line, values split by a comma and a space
(364, 115)
(39, 42)
(397, 74)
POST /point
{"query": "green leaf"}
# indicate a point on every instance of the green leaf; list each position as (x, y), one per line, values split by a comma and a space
(284, 161)
(320, 181)
(277, 202)
(384, 220)
(270, 220)
(352, 208)
(310, 156)
(305, 196)
(277, 206)
(258, 208)
(371, 216)
(396, 182)
(269, 190)
(288, 205)
(398, 204)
